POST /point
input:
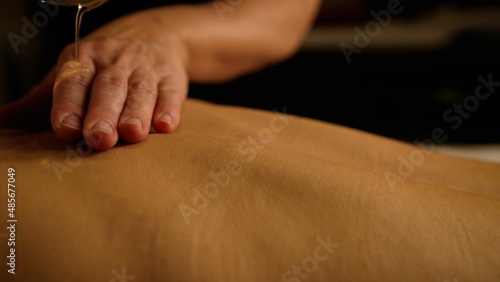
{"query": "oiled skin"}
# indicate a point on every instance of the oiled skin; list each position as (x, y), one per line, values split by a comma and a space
(130, 210)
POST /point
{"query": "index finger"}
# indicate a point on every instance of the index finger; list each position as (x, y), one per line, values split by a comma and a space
(71, 89)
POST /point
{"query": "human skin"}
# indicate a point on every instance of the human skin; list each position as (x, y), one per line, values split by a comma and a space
(287, 187)
(133, 73)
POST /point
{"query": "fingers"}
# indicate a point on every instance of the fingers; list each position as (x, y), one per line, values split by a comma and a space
(135, 120)
(70, 99)
(107, 99)
(172, 92)
(116, 93)
(103, 106)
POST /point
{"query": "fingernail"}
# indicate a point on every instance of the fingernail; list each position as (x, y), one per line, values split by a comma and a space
(133, 121)
(166, 118)
(72, 121)
(103, 126)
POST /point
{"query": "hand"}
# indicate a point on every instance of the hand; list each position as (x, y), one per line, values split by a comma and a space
(129, 77)
(133, 72)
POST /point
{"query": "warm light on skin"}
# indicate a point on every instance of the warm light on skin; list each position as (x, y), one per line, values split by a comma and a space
(311, 202)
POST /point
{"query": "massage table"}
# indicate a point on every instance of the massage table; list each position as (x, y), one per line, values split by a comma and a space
(240, 194)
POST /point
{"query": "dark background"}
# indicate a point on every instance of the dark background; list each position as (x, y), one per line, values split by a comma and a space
(401, 93)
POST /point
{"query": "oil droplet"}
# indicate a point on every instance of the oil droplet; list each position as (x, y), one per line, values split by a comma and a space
(83, 6)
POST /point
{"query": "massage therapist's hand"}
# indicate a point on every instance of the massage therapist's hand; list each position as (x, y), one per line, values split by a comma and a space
(129, 77)
(132, 74)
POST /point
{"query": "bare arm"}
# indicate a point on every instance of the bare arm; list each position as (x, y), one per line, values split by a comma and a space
(133, 72)
(223, 40)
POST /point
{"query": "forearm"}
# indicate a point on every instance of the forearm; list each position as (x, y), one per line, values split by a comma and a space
(254, 34)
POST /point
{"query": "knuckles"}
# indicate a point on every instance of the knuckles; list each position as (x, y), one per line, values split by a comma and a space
(73, 73)
(119, 68)
(111, 79)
